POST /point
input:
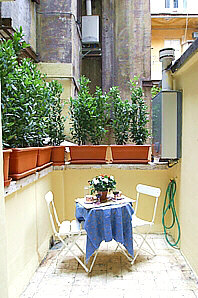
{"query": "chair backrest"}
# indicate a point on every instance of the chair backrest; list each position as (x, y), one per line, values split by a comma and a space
(52, 210)
(149, 191)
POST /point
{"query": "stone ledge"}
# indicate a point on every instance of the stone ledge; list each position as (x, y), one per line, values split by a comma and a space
(149, 166)
(19, 184)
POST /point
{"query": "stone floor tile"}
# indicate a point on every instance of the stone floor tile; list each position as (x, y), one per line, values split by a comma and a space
(165, 275)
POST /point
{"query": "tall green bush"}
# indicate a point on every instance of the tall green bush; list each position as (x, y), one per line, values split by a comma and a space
(89, 115)
(27, 100)
(120, 116)
(139, 115)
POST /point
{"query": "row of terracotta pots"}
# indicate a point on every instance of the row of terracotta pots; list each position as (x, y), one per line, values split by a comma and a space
(21, 162)
(119, 154)
(26, 161)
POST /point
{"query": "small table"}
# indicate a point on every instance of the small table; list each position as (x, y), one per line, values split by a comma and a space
(107, 221)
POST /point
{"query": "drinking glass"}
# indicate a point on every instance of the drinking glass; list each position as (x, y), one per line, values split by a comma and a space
(86, 191)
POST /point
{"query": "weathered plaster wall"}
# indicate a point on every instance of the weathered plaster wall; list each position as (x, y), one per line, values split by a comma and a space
(57, 35)
(125, 41)
(22, 13)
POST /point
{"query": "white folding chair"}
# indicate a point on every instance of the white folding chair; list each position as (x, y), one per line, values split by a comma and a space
(68, 231)
(138, 222)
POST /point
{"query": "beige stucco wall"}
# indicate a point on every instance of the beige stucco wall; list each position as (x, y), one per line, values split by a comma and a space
(28, 232)
(186, 80)
(69, 185)
(3, 243)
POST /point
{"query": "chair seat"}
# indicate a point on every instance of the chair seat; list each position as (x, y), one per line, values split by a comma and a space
(69, 227)
(138, 222)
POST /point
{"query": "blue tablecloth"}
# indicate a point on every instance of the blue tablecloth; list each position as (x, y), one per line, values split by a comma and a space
(107, 223)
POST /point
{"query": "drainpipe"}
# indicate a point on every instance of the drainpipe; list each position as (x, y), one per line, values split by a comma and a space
(88, 7)
(166, 56)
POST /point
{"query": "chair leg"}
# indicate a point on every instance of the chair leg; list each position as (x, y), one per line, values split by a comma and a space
(140, 246)
(68, 248)
(91, 266)
(124, 252)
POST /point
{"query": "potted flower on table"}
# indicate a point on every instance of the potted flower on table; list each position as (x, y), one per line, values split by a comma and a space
(101, 185)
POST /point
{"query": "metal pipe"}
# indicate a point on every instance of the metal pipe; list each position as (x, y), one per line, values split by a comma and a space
(88, 7)
(166, 56)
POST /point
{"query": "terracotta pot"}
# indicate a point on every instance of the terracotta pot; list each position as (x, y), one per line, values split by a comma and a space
(130, 153)
(23, 162)
(88, 154)
(103, 197)
(58, 155)
(44, 157)
(6, 159)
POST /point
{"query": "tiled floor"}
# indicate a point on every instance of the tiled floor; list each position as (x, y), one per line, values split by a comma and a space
(165, 275)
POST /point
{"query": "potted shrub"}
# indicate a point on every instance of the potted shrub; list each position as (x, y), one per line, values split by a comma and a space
(135, 120)
(89, 116)
(120, 116)
(56, 123)
(26, 106)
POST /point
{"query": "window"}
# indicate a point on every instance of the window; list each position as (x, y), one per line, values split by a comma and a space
(184, 3)
(176, 4)
(167, 3)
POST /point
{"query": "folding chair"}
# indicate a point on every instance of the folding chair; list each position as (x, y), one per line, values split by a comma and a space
(68, 231)
(138, 222)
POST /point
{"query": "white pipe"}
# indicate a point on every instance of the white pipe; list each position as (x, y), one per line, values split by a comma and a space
(88, 7)
(166, 57)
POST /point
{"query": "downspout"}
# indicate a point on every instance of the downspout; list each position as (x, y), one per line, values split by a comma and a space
(88, 7)
(166, 56)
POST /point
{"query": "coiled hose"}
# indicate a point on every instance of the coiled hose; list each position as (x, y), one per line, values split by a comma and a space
(169, 205)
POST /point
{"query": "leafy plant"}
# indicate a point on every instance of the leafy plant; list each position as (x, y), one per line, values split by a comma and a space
(139, 118)
(102, 183)
(89, 115)
(155, 90)
(99, 117)
(56, 119)
(121, 116)
(26, 98)
(79, 112)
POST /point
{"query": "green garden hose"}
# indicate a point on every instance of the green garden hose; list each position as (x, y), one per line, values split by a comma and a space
(170, 206)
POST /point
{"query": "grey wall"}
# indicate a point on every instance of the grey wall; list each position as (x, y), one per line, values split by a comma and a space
(20, 12)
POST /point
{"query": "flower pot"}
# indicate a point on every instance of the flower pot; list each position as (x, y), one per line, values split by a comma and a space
(58, 155)
(6, 159)
(23, 162)
(88, 154)
(103, 197)
(139, 154)
(44, 157)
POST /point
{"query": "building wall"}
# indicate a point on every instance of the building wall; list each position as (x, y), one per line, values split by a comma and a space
(157, 43)
(63, 73)
(28, 233)
(3, 242)
(22, 13)
(159, 7)
(132, 42)
(185, 80)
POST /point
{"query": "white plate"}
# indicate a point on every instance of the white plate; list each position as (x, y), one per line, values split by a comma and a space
(90, 202)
